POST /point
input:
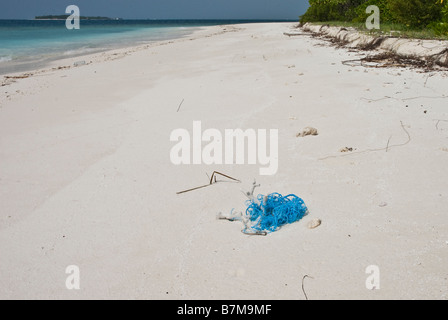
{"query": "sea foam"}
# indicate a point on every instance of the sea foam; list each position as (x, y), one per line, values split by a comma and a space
(5, 59)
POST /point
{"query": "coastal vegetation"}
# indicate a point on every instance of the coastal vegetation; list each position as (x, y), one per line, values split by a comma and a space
(411, 18)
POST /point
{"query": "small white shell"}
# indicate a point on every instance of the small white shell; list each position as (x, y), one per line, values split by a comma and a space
(313, 224)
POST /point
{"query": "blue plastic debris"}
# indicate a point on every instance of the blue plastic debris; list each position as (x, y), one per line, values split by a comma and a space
(274, 211)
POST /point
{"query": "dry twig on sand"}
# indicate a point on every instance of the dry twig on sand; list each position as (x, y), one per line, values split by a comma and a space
(303, 287)
(390, 59)
(180, 105)
(438, 122)
(213, 180)
(387, 148)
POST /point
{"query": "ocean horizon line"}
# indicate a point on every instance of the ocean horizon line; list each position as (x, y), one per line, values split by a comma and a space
(171, 19)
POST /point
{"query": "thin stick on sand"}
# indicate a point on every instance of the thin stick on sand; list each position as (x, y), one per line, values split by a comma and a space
(213, 180)
(438, 121)
(388, 141)
(180, 105)
(387, 148)
(303, 287)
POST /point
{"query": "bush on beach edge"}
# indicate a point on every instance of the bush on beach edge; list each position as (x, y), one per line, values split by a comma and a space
(428, 16)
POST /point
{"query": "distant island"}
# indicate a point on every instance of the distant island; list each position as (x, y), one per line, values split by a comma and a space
(65, 16)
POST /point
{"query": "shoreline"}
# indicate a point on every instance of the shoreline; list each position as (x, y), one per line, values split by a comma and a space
(48, 61)
(86, 177)
(51, 64)
(99, 56)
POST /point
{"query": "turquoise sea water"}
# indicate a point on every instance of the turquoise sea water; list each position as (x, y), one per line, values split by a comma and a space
(29, 44)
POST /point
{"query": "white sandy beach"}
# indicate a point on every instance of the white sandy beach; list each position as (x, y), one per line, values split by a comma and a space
(86, 177)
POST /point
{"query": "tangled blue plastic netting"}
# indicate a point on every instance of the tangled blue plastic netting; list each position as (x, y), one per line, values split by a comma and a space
(274, 211)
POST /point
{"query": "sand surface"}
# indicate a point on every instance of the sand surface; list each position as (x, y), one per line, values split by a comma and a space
(86, 177)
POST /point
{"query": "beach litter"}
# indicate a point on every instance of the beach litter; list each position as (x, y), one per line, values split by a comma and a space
(79, 63)
(346, 149)
(308, 131)
(268, 213)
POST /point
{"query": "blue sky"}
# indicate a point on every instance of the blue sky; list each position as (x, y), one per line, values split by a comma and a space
(159, 9)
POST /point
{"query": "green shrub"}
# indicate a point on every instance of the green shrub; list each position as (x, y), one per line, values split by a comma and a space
(383, 5)
(408, 14)
(415, 13)
(439, 28)
(444, 10)
(331, 10)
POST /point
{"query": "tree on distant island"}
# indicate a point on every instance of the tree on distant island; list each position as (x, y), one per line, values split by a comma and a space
(65, 16)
